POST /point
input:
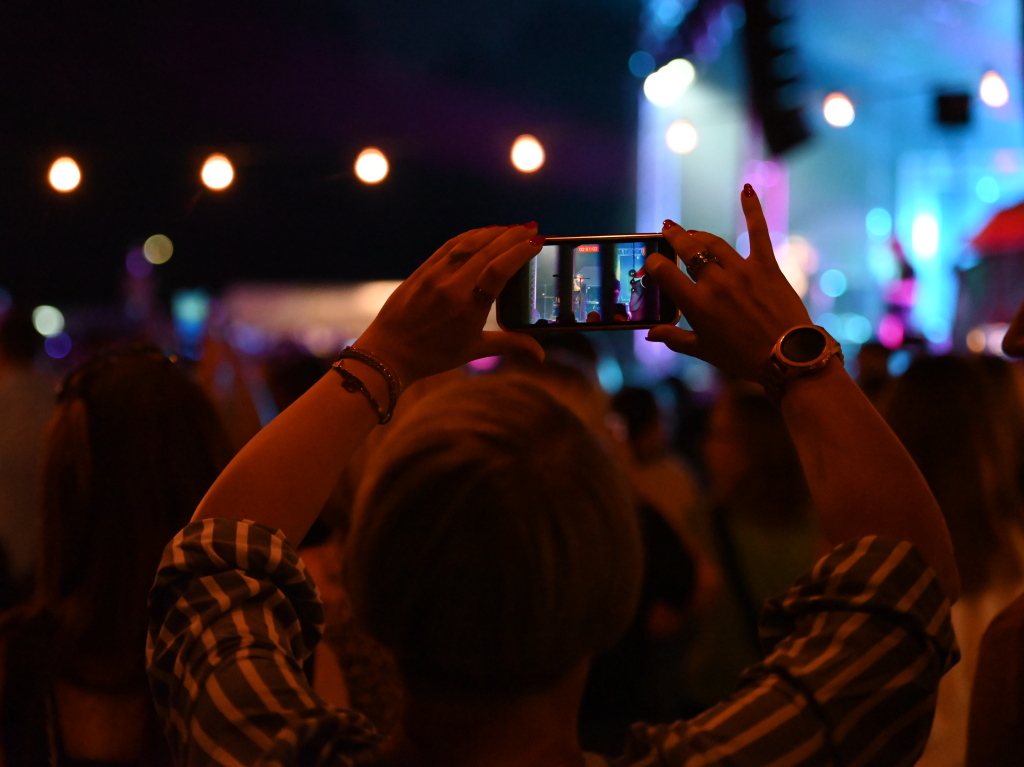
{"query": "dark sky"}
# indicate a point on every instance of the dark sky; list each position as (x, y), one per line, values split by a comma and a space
(139, 93)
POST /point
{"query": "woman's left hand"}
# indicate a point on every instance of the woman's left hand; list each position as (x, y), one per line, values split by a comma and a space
(434, 320)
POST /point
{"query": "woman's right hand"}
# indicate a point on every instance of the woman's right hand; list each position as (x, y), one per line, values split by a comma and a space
(434, 320)
(738, 308)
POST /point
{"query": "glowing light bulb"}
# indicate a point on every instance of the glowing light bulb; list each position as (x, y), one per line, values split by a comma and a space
(217, 172)
(681, 137)
(976, 340)
(527, 153)
(47, 320)
(838, 110)
(371, 166)
(65, 174)
(993, 90)
(664, 87)
(158, 249)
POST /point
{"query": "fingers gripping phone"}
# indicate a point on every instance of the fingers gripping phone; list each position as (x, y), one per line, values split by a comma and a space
(588, 283)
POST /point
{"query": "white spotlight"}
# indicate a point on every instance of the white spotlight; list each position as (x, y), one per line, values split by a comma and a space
(664, 87)
(47, 320)
(681, 137)
(65, 174)
(371, 166)
(527, 153)
(993, 89)
(217, 172)
(838, 110)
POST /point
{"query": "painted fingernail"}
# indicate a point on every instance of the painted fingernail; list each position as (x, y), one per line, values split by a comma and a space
(668, 224)
(529, 225)
(538, 240)
(748, 190)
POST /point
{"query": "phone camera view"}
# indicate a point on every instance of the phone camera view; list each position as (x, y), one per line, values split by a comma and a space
(600, 282)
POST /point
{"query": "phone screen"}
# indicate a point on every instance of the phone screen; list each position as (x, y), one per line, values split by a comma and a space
(588, 283)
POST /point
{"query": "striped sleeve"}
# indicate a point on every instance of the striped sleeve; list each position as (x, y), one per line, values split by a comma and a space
(233, 613)
(854, 654)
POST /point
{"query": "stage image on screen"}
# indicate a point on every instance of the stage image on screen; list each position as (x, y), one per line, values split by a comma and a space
(600, 282)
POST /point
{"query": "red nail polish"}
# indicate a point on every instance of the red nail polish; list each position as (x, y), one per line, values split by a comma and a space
(538, 240)
(668, 224)
(748, 190)
(530, 225)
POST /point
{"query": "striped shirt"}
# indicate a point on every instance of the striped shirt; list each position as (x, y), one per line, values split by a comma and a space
(853, 656)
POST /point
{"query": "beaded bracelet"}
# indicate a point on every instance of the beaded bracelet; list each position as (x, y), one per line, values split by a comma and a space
(352, 383)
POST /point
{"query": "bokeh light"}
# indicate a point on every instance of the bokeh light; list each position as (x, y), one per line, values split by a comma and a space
(136, 264)
(832, 283)
(58, 346)
(158, 249)
(65, 174)
(681, 137)
(987, 189)
(994, 338)
(641, 64)
(993, 89)
(879, 223)
(899, 361)
(47, 320)
(891, 331)
(838, 110)
(371, 166)
(856, 327)
(976, 339)
(527, 154)
(217, 173)
(925, 235)
(664, 87)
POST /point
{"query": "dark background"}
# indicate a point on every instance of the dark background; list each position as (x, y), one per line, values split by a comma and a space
(139, 93)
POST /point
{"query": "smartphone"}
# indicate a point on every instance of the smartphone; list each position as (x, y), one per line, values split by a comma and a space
(588, 283)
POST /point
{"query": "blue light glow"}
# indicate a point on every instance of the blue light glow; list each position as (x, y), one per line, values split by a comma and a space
(641, 64)
(832, 283)
(899, 361)
(987, 189)
(831, 323)
(609, 374)
(879, 223)
(5, 300)
(856, 328)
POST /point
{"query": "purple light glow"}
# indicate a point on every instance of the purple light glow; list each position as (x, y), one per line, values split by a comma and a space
(58, 346)
(137, 265)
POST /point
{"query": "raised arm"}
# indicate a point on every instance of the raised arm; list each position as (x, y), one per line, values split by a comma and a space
(433, 322)
(862, 479)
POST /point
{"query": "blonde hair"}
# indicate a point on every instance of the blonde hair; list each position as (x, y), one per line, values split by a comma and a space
(494, 544)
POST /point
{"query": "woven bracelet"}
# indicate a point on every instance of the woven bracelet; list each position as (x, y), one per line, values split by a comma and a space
(352, 383)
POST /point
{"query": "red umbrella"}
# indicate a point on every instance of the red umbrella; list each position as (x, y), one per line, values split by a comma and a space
(1004, 234)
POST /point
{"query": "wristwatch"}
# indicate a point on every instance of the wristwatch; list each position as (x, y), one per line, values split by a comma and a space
(800, 351)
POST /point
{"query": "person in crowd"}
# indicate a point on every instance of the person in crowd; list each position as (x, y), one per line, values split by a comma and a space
(132, 447)
(967, 440)
(997, 692)
(494, 552)
(873, 371)
(761, 526)
(26, 403)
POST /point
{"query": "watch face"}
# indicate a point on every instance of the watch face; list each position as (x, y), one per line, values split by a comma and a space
(803, 345)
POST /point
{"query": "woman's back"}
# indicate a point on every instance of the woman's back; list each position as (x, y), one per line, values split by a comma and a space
(132, 447)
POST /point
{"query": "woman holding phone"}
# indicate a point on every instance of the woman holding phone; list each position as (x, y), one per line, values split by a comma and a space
(493, 601)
